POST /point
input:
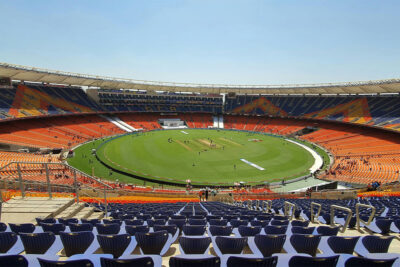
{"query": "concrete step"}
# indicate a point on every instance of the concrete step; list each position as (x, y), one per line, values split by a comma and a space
(25, 210)
(96, 215)
(84, 213)
(71, 211)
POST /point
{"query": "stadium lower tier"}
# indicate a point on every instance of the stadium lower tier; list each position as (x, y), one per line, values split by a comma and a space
(361, 154)
(208, 234)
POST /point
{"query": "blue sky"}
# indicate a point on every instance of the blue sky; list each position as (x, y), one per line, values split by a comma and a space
(207, 41)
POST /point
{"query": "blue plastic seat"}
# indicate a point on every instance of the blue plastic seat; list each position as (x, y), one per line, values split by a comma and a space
(302, 230)
(69, 263)
(300, 223)
(236, 223)
(38, 243)
(92, 221)
(261, 223)
(108, 229)
(13, 261)
(218, 222)
(269, 244)
(76, 243)
(194, 229)
(22, 228)
(230, 245)
(171, 229)
(134, 222)
(366, 262)
(195, 262)
(201, 222)
(151, 223)
(384, 225)
(178, 222)
(275, 229)
(303, 261)
(114, 244)
(279, 222)
(133, 229)
(55, 228)
(193, 245)
(108, 221)
(80, 227)
(249, 230)
(220, 230)
(47, 220)
(67, 221)
(236, 261)
(305, 243)
(7, 241)
(152, 243)
(374, 244)
(342, 244)
(137, 262)
(328, 230)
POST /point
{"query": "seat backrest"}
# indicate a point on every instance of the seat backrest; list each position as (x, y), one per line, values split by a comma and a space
(134, 222)
(152, 243)
(236, 223)
(269, 244)
(303, 230)
(192, 245)
(76, 243)
(108, 229)
(55, 228)
(231, 245)
(220, 230)
(235, 261)
(342, 244)
(296, 261)
(142, 261)
(171, 229)
(219, 222)
(359, 262)
(279, 222)
(133, 229)
(80, 227)
(275, 229)
(305, 243)
(377, 244)
(114, 244)
(67, 221)
(328, 230)
(178, 222)
(249, 230)
(194, 229)
(300, 223)
(68, 263)
(197, 221)
(22, 228)
(13, 260)
(384, 225)
(37, 243)
(7, 241)
(200, 262)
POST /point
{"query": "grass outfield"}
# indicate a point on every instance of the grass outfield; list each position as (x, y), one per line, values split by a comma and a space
(192, 155)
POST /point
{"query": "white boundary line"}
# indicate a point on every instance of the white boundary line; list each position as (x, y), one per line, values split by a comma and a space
(184, 132)
(318, 161)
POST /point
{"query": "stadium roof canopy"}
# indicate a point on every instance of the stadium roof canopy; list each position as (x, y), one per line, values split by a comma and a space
(32, 74)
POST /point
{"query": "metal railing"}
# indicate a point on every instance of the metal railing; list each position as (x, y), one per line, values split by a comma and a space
(349, 214)
(289, 207)
(313, 216)
(267, 205)
(41, 174)
(370, 218)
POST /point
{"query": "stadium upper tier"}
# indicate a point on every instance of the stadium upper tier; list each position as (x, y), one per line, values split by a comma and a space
(25, 100)
(25, 73)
